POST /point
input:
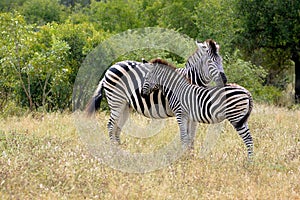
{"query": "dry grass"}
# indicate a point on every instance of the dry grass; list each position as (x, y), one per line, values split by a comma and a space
(42, 157)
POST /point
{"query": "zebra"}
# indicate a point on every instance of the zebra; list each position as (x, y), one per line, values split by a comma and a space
(205, 105)
(122, 83)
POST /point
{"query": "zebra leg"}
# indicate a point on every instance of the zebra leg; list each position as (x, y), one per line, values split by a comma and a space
(122, 120)
(183, 127)
(111, 126)
(192, 126)
(245, 134)
(116, 122)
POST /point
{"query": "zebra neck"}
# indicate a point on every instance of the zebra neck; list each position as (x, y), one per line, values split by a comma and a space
(196, 78)
(173, 83)
(194, 70)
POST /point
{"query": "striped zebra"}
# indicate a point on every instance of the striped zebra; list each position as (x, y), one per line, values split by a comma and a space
(205, 105)
(122, 83)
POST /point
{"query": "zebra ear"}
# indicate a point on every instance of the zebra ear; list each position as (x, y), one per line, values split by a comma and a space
(213, 46)
(218, 47)
(150, 66)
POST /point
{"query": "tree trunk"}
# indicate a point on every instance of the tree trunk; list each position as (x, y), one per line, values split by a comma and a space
(296, 59)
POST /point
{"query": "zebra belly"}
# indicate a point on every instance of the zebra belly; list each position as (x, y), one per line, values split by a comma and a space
(209, 110)
(208, 118)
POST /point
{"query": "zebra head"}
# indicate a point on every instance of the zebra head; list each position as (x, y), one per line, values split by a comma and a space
(205, 65)
(150, 81)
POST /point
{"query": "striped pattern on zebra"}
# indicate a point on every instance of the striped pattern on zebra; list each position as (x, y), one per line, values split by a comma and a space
(200, 75)
(122, 83)
(205, 105)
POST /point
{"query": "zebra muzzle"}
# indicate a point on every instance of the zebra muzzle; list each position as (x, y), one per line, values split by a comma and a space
(224, 78)
(144, 94)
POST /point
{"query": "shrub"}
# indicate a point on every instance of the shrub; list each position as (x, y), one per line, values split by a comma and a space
(252, 77)
(42, 11)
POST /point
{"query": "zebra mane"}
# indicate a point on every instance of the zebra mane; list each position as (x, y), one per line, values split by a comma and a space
(162, 62)
(168, 66)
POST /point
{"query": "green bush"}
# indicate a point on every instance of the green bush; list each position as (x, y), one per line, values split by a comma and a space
(39, 63)
(42, 11)
(251, 77)
(115, 16)
(11, 108)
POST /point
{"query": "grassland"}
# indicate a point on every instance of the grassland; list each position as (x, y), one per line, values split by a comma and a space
(43, 157)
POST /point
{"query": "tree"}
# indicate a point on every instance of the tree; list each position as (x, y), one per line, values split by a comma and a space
(72, 3)
(178, 15)
(216, 19)
(115, 15)
(32, 67)
(273, 26)
(14, 52)
(42, 11)
(7, 5)
(39, 63)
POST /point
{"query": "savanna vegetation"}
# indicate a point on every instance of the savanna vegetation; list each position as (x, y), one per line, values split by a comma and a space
(42, 157)
(43, 44)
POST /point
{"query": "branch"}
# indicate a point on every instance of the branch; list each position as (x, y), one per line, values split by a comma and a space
(18, 70)
(44, 90)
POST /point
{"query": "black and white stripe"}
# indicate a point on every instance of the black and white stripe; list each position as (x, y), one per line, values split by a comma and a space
(192, 103)
(123, 81)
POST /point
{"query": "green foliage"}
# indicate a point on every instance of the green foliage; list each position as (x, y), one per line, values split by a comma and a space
(150, 12)
(51, 82)
(251, 77)
(8, 5)
(16, 40)
(41, 66)
(115, 15)
(33, 67)
(75, 2)
(42, 11)
(178, 15)
(277, 64)
(243, 72)
(78, 15)
(11, 108)
(272, 25)
(215, 19)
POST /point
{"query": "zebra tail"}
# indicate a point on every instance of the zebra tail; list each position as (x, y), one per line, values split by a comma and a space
(94, 103)
(245, 118)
